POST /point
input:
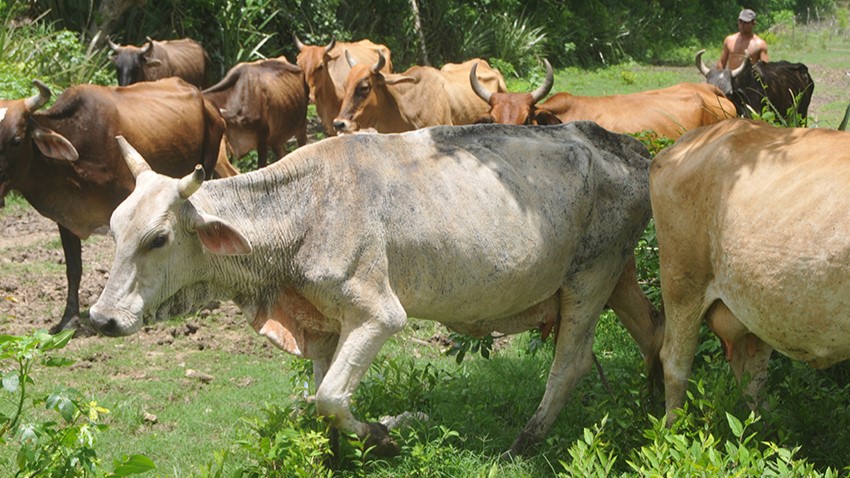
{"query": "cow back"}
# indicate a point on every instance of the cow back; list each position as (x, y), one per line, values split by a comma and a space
(467, 107)
(414, 104)
(184, 58)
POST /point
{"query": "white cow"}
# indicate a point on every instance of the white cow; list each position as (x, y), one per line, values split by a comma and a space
(329, 250)
(754, 238)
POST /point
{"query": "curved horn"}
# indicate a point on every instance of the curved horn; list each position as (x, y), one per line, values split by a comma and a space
(477, 87)
(543, 89)
(191, 182)
(700, 65)
(744, 64)
(112, 45)
(330, 46)
(39, 99)
(380, 64)
(147, 47)
(350, 59)
(298, 43)
(134, 160)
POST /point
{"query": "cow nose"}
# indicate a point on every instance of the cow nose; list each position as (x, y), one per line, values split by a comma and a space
(108, 326)
(342, 125)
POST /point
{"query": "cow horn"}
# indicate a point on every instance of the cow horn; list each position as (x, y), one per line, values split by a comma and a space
(477, 87)
(112, 45)
(700, 65)
(350, 59)
(39, 99)
(134, 160)
(380, 64)
(543, 89)
(191, 182)
(298, 43)
(147, 47)
(330, 46)
(737, 71)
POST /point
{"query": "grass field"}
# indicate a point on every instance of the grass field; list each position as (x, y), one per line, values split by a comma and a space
(194, 427)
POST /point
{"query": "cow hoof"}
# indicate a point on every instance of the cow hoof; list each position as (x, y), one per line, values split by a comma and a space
(379, 438)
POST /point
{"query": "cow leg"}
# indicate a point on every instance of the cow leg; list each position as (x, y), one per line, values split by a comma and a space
(644, 322)
(684, 310)
(262, 153)
(580, 309)
(301, 134)
(73, 272)
(362, 335)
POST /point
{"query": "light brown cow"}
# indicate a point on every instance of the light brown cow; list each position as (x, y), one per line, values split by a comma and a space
(154, 60)
(393, 103)
(467, 107)
(669, 112)
(64, 160)
(753, 238)
(325, 70)
(264, 104)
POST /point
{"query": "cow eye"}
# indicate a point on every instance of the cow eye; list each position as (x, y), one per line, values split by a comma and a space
(363, 88)
(158, 241)
(16, 141)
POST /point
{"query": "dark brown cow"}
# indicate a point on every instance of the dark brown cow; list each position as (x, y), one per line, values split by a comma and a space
(154, 60)
(669, 112)
(65, 162)
(264, 104)
(325, 70)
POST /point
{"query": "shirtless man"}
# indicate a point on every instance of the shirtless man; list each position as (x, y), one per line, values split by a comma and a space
(736, 44)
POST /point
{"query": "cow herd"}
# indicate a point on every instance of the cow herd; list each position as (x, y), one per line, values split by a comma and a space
(511, 223)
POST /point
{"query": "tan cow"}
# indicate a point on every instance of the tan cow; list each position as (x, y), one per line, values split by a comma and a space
(264, 104)
(754, 238)
(184, 58)
(393, 103)
(467, 107)
(669, 112)
(325, 70)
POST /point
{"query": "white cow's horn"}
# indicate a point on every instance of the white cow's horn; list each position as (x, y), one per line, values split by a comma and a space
(134, 160)
(376, 68)
(39, 99)
(191, 182)
(351, 61)
(700, 64)
(477, 87)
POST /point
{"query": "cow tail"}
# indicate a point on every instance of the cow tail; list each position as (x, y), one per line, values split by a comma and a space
(213, 133)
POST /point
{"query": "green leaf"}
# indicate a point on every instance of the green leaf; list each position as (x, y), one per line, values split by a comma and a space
(58, 362)
(63, 404)
(11, 381)
(132, 465)
(59, 340)
(735, 425)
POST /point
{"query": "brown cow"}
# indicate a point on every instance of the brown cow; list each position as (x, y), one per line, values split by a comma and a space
(393, 103)
(669, 112)
(325, 70)
(264, 104)
(184, 58)
(65, 162)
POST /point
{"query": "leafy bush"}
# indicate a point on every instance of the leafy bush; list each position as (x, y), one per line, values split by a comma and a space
(61, 447)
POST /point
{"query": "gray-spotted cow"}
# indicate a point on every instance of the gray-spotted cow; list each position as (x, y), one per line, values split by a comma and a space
(482, 228)
(753, 238)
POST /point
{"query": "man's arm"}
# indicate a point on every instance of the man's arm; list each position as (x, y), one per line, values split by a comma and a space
(724, 55)
(763, 51)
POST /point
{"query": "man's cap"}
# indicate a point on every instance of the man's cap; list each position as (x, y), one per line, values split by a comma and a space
(747, 15)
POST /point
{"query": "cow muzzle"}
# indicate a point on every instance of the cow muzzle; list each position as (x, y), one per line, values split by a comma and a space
(344, 125)
(113, 322)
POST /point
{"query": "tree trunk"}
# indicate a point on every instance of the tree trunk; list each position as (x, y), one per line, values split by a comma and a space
(110, 17)
(417, 25)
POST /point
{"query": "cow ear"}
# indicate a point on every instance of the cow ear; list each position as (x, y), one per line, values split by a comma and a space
(396, 79)
(221, 238)
(153, 62)
(54, 145)
(546, 117)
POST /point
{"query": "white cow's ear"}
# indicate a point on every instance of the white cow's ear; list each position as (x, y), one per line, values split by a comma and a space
(219, 237)
(54, 145)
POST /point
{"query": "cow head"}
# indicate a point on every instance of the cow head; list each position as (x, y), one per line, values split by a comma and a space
(162, 243)
(515, 108)
(721, 78)
(311, 61)
(19, 132)
(131, 61)
(365, 95)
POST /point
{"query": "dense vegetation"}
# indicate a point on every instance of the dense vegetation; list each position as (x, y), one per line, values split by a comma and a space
(613, 426)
